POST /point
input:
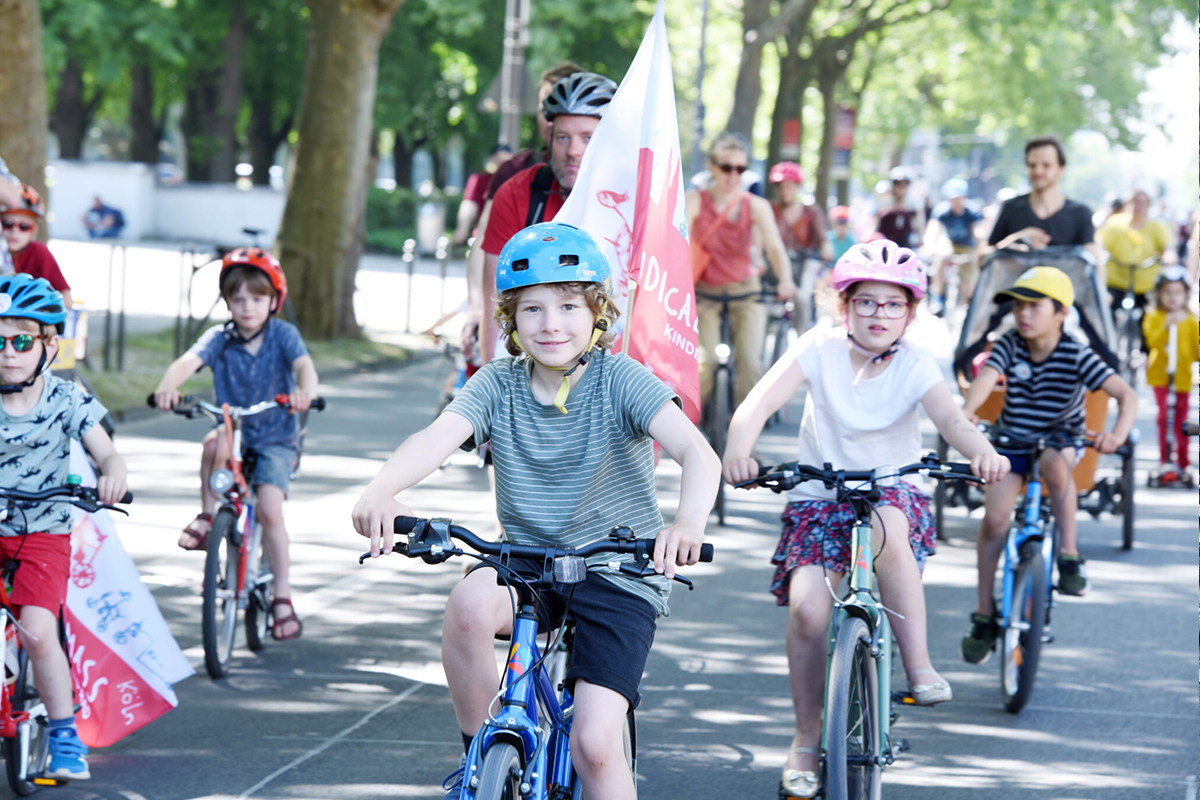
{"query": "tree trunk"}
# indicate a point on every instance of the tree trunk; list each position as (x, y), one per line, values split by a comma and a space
(144, 145)
(794, 78)
(748, 88)
(326, 202)
(72, 114)
(264, 138)
(828, 76)
(222, 118)
(402, 158)
(24, 120)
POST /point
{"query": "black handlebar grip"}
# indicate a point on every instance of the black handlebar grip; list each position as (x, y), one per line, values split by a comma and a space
(128, 498)
(150, 401)
(706, 552)
(958, 468)
(404, 524)
(319, 404)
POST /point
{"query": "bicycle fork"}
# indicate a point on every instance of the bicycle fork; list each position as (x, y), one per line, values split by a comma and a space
(1031, 528)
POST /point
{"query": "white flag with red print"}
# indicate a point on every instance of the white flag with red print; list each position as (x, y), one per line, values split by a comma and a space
(123, 657)
(629, 195)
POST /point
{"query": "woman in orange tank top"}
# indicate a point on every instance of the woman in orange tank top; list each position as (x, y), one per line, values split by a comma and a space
(724, 224)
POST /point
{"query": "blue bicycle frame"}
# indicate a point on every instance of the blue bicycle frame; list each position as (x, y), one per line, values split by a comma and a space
(531, 718)
(1032, 526)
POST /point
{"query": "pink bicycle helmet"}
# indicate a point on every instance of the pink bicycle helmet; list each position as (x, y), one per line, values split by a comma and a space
(883, 261)
(786, 171)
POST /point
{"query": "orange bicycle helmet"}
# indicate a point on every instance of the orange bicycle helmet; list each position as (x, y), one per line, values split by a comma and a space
(259, 259)
(32, 204)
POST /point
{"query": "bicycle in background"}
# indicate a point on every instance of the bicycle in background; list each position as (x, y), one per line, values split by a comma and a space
(24, 731)
(235, 575)
(856, 736)
(1027, 598)
(523, 751)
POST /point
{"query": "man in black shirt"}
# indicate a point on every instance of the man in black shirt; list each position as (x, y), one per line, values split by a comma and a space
(1044, 216)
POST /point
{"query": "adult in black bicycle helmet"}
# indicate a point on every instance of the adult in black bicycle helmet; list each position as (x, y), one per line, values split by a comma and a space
(584, 94)
(35, 299)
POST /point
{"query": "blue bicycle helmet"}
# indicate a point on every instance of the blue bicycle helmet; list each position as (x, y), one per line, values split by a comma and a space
(32, 298)
(552, 252)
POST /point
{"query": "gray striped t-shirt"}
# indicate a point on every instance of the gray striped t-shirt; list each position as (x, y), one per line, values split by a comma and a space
(568, 479)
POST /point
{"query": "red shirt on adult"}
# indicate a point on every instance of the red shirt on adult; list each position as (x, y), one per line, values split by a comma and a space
(510, 208)
(37, 260)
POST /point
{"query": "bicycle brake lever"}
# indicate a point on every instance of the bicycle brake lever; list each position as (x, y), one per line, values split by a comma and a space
(691, 586)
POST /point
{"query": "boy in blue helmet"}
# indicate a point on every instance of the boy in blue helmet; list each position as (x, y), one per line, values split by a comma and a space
(572, 430)
(39, 415)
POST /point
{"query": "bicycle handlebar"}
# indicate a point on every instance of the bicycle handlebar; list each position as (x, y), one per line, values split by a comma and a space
(83, 496)
(191, 407)
(783, 477)
(1009, 440)
(430, 540)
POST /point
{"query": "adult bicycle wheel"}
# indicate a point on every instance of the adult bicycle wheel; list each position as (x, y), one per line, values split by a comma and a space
(852, 768)
(25, 755)
(219, 623)
(500, 777)
(630, 744)
(722, 409)
(778, 341)
(1022, 639)
(258, 608)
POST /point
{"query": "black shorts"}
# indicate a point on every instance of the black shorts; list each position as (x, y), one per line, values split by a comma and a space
(613, 631)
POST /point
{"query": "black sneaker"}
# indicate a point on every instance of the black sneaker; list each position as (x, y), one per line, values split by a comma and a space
(1072, 579)
(978, 644)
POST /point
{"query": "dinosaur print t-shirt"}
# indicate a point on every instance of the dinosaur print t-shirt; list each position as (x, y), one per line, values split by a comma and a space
(35, 453)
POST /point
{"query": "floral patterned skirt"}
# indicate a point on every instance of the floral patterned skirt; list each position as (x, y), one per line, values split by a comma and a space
(817, 532)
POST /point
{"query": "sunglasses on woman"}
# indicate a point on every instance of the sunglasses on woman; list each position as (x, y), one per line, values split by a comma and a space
(21, 225)
(22, 342)
(729, 169)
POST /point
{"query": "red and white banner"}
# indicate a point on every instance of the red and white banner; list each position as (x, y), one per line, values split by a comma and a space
(635, 207)
(123, 657)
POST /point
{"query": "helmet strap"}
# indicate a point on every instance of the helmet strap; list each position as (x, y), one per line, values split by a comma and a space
(231, 330)
(872, 357)
(560, 399)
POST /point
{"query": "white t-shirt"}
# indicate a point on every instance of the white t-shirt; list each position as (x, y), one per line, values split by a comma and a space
(861, 427)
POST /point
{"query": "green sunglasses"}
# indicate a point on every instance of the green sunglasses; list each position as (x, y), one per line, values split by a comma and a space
(22, 342)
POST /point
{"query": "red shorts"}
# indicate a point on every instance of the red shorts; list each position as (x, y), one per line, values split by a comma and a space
(41, 580)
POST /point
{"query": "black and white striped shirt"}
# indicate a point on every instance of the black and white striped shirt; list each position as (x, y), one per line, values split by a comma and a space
(1046, 397)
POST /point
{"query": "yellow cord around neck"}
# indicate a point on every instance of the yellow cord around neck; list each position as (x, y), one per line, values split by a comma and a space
(560, 398)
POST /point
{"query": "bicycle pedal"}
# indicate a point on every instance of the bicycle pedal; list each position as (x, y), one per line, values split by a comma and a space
(903, 698)
(49, 782)
(902, 746)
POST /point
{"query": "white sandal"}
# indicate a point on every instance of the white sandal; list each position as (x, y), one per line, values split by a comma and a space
(930, 694)
(797, 783)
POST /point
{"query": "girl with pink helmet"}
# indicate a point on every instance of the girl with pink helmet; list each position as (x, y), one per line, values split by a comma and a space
(865, 385)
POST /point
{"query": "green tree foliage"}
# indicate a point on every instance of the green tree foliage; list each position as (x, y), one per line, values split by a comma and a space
(272, 75)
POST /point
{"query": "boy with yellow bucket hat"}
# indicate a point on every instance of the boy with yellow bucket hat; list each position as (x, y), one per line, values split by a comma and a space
(1046, 374)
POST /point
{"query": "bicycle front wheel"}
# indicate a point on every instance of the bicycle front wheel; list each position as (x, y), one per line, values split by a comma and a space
(25, 755)
(852, 756)
(219, 623)
(722, 391)
(1023, 637)
(500, 777)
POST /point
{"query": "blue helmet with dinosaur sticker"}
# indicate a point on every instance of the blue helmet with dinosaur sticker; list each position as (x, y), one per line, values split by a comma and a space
(32, 298)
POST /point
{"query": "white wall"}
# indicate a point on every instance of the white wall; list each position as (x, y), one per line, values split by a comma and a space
(195, 212)
(73, 184)
(216, 213)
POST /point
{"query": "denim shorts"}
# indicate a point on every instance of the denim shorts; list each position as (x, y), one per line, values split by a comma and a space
(273, 466)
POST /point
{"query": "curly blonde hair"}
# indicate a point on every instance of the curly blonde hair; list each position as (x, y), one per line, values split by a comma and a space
(594, 295)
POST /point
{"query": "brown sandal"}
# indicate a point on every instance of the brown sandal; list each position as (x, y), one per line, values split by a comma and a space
(195, 535)
(279, 622)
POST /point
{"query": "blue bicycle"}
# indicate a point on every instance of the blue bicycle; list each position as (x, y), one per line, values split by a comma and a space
(1030, 553)
(523, 750)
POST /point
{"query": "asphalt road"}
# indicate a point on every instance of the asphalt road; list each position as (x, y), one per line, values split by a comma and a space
(357, 708)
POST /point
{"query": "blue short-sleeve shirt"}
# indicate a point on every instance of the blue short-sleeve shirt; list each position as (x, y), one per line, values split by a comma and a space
(242, 379)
